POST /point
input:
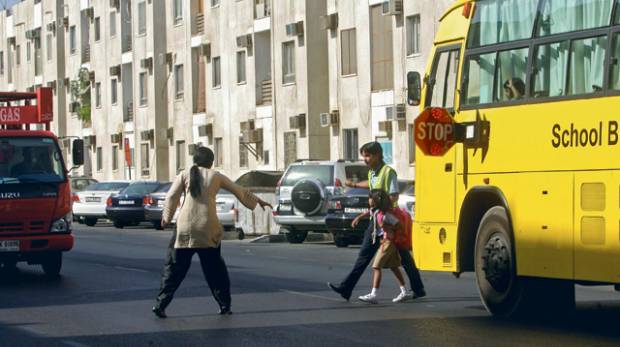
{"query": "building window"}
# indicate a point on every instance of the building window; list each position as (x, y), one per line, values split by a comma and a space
(381, 50)
(72, 39)
(349, 51)
(48, 44)
(350, 142)
(217, 72)
(38, 57)
(28, 51)
(115, 158)
(114, 91)
(241, 67)
(1, 63)
(17, 54)
(288, 62)
(178, 81)
(113, 24)
(290, 148)
(141, 18)
(180, 155)
(413, 34)
(143, 89)
(215, 3)
(99, 159)
(243, 156)
(411, 144)
(98, 94)
(97, 29)
(144, 159)
(178, 11)
(219, 152)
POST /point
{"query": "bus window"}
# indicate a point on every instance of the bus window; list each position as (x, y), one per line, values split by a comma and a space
(444, 79)
(561, 16)
(550, 69)
(512, 72)
(497, 21)
(615, 66)
(478, 81)
(587, 65)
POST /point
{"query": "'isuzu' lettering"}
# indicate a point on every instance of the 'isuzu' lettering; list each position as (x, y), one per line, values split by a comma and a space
(584, 137)
(8, 114)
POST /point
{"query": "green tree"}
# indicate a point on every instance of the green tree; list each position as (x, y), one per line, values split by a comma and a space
(80, 93)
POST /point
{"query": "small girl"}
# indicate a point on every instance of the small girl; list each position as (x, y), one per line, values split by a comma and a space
(385, 224)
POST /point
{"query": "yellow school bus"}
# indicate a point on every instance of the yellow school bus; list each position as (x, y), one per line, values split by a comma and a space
(528, 197)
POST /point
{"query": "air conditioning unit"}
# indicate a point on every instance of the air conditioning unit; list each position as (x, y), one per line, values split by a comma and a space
(91, 76)
(329, 22)
(166, 58)
(89, 12)
(205, 130)
(329, 119)
(191, 149)
(11, 41)
(115, 3)
(392, 7)
(170, 133)
(401, 112)
(298, 121)
(65, 22)
(385, 126)
(51, 84)
(251, 136)
(74, 107)
(247, 126)
(115, 138)
(51, 27)
(146, 63)
(295, 29)
(389, 113)
(90, 141)
(115, 70)
(29, 34)
(244, 41)
(205, 50)
(147, 135)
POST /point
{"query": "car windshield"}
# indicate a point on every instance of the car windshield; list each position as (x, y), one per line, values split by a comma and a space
(140, 188)
(296, 173)
(30, 159)
(164, 188)
(107, 186)
(357, 173)
(78, 184)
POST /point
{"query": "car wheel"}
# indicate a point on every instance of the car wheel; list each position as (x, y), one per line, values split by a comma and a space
(341, 242)
(296, 236)
(157, 225)
(118, 224)
(90, 222)
(52, 263)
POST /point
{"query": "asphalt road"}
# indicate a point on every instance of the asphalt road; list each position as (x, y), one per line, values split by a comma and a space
(280, 298)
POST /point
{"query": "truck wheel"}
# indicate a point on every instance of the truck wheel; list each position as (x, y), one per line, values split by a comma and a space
(90, 221)
(52, 263)
(296, 236)
(118, 224)
(341, 242)
(499, 287)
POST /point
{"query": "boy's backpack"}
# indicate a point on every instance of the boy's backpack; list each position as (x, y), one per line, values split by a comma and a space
(402, 237)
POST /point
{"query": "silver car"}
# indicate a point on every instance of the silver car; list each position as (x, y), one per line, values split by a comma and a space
(89, 205)
(303, 193)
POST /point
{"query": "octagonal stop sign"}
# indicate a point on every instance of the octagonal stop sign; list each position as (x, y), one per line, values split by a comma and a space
(434, 131)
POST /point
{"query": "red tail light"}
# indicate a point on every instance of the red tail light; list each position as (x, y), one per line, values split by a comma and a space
(75, 198)
(109, 202)
(148, 200)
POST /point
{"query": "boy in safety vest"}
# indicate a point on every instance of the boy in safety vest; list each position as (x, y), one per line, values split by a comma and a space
(383, 177)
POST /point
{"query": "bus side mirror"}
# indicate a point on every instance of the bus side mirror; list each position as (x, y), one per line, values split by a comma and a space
(78, 152)
(414, 88)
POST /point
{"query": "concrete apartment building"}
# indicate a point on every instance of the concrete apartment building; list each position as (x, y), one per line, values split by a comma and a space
(252, 79)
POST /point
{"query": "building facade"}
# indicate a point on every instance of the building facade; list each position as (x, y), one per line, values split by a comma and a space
(262, 82)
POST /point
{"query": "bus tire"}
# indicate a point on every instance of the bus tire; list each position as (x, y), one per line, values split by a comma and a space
(52, 263)
(499, 287)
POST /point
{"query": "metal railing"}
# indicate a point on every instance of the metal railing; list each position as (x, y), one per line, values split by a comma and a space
(198, 27)
(86, 54)
(128, 114)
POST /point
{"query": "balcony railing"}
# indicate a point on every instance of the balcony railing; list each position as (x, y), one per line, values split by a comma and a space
(262, 9)
(198, 27)
(127, 43)
(265, 93)
(86, 54)
(128, 114)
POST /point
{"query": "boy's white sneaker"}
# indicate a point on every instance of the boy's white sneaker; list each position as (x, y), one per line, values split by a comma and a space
(403, 296)
(369, 298)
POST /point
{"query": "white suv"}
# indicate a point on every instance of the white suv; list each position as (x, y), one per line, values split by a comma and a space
(303, 193)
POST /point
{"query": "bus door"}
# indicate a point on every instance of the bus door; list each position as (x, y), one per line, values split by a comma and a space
(438, 174)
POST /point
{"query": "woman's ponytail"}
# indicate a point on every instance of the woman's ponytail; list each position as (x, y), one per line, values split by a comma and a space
(195, 182)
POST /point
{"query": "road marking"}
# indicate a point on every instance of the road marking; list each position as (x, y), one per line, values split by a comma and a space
(130, 269)
(310, 295)
(74, 344)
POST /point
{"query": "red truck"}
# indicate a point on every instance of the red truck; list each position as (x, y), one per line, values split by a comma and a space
(35, 195)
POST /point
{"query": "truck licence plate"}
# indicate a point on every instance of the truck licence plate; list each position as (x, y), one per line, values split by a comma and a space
(125, 202)
(355, 210)
(9, 246)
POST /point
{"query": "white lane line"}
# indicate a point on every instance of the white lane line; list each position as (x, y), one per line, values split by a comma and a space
(311, 295)
(130, 269)
(74, 344)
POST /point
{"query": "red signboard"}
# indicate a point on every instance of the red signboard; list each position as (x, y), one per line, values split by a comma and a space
(40, 113)
(127, 152)
(434, 131)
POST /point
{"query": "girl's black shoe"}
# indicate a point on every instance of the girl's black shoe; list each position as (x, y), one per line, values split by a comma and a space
(159, 312)
(225, 310)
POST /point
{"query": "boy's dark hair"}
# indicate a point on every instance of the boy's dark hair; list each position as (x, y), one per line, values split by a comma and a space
(373, 148)
(381, 198)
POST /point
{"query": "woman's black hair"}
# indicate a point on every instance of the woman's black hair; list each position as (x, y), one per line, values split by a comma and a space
(373, 148)
(203, 157)
(381, 199)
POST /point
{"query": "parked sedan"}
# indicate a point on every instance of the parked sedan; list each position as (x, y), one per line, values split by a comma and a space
(89, 205)
(341, 212)
(154, 205)
(127, 207)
